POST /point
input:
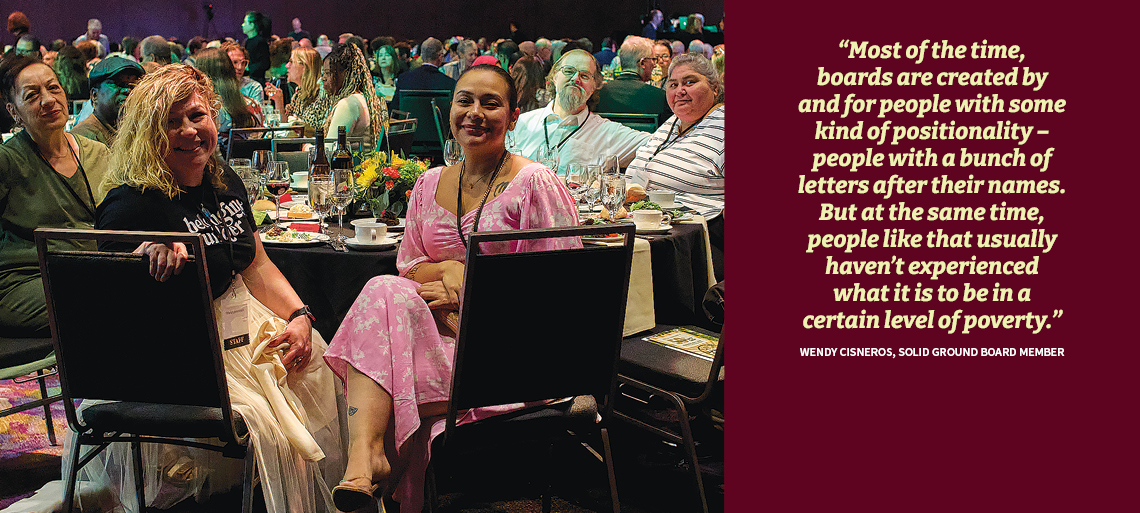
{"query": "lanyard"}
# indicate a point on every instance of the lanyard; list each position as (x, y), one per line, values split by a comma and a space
(666, 143)
(459, 197)
(546, 135)
(79, 169)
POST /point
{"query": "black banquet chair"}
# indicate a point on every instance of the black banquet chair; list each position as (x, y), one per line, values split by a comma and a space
(546, 351)
(144, 402)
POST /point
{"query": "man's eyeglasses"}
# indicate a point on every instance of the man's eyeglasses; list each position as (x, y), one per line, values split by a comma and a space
(571, 72)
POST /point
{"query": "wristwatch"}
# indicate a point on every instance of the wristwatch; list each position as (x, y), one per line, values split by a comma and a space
(304, 310)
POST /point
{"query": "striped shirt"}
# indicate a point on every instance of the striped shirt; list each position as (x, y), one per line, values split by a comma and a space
(691, 165)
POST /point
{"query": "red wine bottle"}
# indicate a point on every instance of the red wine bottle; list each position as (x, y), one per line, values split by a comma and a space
(319, 169)
(341, 158)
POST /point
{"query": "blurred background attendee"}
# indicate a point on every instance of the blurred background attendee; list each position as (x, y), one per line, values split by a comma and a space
(628, 92)
(49, 57)
(195, 45)
(257, 28)
(29, 46)
(508, 53)
(279, 52)
(606, 55)
(662, 55)
(428, 74)
(18, 24)
(352, 96)
(129, 49)
(112, 79)
(652, 25)
(95, 34)
(718, 61)
(239, 60)
(299, 33)
(303, 72)
(466, 52)
(323, 47)
(155, 53)
(71, 68)
(387, 68)
(90, 51)
(544, 53)
(530, 83)
(48, 179)
(238, 110)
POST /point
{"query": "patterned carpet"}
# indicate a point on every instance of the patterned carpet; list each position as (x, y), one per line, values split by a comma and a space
(650, 478)
(27, 459)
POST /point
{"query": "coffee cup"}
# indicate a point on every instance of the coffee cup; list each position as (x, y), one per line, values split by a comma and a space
(301, 179)
(650, 219)
(370, 230)
(663, 198)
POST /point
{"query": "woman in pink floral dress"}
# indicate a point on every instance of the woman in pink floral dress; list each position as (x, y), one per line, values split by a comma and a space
(389, 351)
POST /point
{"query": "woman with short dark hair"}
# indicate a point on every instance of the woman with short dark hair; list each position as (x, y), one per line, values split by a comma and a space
(48, 179)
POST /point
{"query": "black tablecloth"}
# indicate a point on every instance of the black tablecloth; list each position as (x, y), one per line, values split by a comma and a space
(329, 281)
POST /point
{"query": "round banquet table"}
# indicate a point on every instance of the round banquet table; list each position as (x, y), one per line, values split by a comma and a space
(329, 281)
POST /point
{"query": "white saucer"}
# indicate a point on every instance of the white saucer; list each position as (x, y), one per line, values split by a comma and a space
(382, 244)
(663, 228)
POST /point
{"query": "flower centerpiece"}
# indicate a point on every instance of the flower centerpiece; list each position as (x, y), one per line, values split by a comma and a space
(384, 181)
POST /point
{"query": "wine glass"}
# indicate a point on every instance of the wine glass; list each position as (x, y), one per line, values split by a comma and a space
(277, 182)
(548, 157)
(342, 195)
(575, 181)
(260, 160)
(452, 152)
(321, 198)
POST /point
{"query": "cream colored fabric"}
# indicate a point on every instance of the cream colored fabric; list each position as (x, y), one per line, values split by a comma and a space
(699, 219)
(267, 367)
(639, 314)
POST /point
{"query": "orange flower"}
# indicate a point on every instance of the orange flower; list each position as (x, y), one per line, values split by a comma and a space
(408, 194)
(389, 185)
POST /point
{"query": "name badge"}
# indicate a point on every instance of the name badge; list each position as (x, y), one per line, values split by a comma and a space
(235, 319)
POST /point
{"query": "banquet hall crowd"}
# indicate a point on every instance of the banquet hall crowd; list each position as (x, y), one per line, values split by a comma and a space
(143, 152)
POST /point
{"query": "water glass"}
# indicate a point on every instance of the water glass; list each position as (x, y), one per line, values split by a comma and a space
(549, 158)
(593, 194)
(244, 169)
(613, 193)
(342, 195)
(452, 152)
(321, 198)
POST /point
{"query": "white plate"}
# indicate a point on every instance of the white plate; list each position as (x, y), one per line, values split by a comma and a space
(664, 228)
(683, 217)
(314, 238)
(590, 238)
(382, 244)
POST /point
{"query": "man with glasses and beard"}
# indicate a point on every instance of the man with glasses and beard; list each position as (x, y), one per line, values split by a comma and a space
(111, 81)
(567, 126)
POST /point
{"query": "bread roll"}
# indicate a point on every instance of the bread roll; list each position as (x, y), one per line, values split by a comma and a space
(635, 193)
(263, 205)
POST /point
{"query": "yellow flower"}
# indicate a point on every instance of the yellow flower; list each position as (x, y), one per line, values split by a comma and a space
(397, 161)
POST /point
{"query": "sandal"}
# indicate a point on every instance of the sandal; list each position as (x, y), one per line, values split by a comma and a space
(350, 497)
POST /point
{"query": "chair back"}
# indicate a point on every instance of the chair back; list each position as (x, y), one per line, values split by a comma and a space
(121, 335)
(293, 144)
(541, 325)
(643, 122)
(242, 142)
(400, 135)
(418, 104)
